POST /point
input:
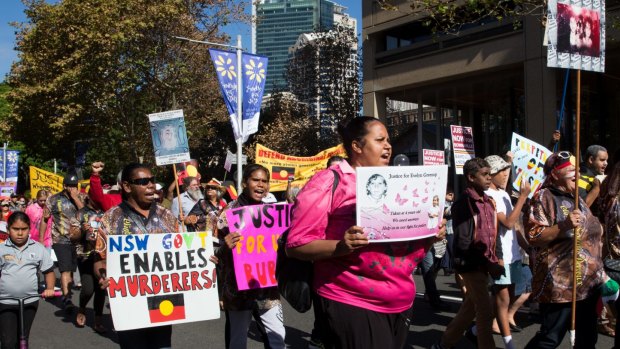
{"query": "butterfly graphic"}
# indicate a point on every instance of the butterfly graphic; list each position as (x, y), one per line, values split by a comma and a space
(415, 193)
(426, 182)
(426, 189)
(401, 201)
(405, 187)
(415, 204)
(386, 210)
(425, 199)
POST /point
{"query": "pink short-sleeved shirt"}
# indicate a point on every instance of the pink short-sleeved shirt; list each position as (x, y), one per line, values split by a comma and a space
(35, 213)
(377, 277)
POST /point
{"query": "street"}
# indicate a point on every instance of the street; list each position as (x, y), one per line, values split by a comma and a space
(52, 329)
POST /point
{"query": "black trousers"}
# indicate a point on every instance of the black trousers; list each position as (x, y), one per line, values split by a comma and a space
(9, 323)
(259, 325)
(90, 285)
(350, 327)
(556, 321)
(146, 338)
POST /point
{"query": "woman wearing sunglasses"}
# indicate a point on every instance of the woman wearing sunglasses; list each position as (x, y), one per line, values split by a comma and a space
(550, 229)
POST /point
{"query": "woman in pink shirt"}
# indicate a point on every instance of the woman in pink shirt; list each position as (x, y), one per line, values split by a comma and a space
(360, 286)
(35, 213)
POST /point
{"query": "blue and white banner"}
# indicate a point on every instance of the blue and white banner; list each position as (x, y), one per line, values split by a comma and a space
(8, 175)
(254, 72)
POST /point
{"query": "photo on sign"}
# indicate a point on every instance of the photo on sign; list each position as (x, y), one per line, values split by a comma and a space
(169, 136)
(578, 30)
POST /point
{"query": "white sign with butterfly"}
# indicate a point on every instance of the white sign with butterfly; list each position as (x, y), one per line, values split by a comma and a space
(400, 203)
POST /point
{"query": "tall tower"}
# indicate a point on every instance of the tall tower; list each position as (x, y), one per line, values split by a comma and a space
(279, 24)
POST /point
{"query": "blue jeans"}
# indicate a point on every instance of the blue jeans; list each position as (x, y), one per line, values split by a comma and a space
(430, 266)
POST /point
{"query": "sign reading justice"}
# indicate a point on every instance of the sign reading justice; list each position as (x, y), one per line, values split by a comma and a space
(254, 257)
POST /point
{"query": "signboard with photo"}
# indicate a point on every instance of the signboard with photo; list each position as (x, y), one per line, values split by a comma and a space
(401, 202)
(169, 137)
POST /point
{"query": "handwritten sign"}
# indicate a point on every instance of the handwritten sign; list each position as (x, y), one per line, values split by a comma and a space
(462, 145)
(433, 157)
(161, 279)
(255, 255)
(40, 179)
(528, 161)
(402, 202)
(169, 137)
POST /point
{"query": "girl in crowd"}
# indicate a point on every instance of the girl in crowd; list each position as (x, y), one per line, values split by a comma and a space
(241, 305)
(359, 286)
(35, 213)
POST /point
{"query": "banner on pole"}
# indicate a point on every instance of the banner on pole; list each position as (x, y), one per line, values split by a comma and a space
(528, 161)
(400, 203)
(8, 181)
(433, 157)
(254, 72)
(462, 146)
(303, 168)
(576, 34)
(161, 279)
(40, 179)
(254, 257)
(169, 137)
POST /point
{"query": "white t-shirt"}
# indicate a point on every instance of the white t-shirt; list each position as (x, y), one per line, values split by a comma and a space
(510, 246)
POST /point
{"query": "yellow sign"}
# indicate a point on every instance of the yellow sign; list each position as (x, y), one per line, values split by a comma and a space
(302, 168)
(40, 179)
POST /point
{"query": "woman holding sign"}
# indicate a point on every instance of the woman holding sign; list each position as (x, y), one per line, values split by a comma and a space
(240, 306)
(360, 286)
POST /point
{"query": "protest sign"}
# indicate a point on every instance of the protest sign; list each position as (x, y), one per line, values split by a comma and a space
(161, 279)
(231, 159)
(528, 161)
(169, 137)
(401, 202)
(576, 34)
(462, 145)
(433, 157)
(40, 179)
(255, 255)
(303, 168)
(8, 179)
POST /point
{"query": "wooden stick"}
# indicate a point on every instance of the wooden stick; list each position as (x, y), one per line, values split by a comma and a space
(176, 184)
(577, 229)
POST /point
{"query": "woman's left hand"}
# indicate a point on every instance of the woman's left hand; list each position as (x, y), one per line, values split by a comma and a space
(441, 234)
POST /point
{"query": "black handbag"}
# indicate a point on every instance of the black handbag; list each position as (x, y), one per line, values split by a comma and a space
(294, 275)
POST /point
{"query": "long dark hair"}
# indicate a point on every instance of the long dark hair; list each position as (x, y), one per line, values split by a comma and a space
(354, 130)
(609, 190)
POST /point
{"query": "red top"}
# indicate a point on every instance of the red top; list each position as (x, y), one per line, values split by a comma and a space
(104, 201)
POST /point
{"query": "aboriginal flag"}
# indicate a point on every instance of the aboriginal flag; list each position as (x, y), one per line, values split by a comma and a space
(166, 308)
(282, 173)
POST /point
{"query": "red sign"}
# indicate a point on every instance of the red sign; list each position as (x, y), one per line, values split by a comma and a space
(433, 157)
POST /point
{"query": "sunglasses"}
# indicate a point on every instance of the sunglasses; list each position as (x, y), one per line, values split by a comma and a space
(211, 188)
(142, 181)
(564, 155)
(5, 205)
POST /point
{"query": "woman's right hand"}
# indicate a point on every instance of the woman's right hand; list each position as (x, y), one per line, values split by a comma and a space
(232, 239)
(354, 239)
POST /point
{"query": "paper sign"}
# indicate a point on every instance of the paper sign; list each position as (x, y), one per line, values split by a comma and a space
(433, 157)
(40, 179)
(231, 159)
(169, 137)
(528, 161)
(303, 168)
(576, 34)
(161, 279)
(254, 257)
(401, 202)
(463, 146)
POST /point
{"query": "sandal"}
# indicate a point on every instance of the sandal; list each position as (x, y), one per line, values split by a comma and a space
(80, 320)
(606, 330)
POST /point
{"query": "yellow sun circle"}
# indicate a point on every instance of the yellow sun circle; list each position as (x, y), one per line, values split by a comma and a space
(283, 173)
(166, 307)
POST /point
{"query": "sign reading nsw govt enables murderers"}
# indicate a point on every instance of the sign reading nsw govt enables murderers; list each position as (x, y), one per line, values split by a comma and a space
(254, 257)
(161, 279)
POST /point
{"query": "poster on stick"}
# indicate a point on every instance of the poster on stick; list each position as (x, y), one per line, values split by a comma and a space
(169, 137)
(302, 168)
(527, 163)
(254, 257)
(402, 202)
(576, 34)
(40, 179)
(433, 157)
(161, 279)
(462, 146)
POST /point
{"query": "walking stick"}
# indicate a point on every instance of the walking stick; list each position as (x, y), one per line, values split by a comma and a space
(576, 238)
(176, 184)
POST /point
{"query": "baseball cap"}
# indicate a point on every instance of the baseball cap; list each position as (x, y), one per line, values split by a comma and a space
(496, 163)
(70, 180)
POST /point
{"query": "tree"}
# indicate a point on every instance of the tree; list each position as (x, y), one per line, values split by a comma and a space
(323, 72)
(92, 70)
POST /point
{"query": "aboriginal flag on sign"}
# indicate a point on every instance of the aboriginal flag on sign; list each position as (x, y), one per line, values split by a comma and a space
(166, 308)
(282, 173)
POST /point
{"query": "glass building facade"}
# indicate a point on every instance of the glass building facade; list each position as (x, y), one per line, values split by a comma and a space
(279, 24)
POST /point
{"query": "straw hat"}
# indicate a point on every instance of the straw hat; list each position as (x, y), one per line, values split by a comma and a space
(214, 183)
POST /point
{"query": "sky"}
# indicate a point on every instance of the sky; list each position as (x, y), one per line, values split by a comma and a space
(13, 11)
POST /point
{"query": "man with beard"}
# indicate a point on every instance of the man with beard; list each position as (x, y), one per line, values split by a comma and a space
(194, 216)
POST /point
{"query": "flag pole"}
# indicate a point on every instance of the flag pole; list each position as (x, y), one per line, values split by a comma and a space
(239, 111)
(176, 184)
(577, 229)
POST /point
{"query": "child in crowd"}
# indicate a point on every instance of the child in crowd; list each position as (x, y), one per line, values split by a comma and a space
(20, 259)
